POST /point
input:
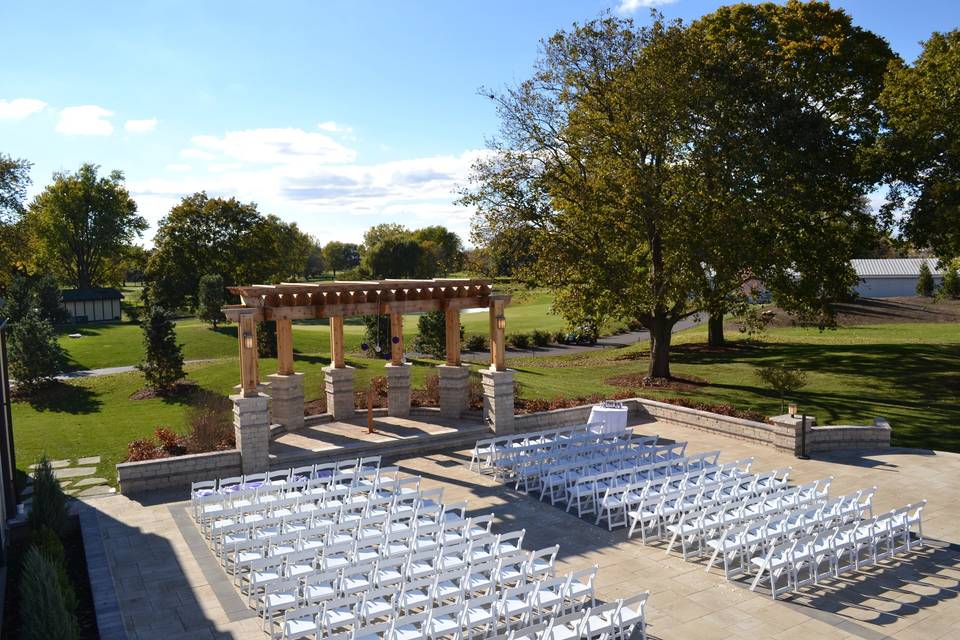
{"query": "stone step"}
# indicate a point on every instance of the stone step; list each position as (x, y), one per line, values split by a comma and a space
(415, 446)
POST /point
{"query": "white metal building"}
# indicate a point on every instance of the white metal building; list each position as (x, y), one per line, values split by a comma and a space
(892, 277)
(92, 305)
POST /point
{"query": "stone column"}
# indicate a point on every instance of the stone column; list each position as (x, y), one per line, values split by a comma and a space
(251, 428)
(338, 383)
(398, 390)
(454, 390)
(286, 390)
(787, 432)
(498, 400)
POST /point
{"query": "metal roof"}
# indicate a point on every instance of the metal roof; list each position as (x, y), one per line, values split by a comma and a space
(893, 267)
(93, 293)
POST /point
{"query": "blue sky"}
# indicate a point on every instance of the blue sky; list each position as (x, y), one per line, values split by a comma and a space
(337, 115)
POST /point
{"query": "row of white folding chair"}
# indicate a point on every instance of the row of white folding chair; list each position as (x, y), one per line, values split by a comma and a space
(412, 592)
(591, 444)
(722, 510)
(384, 480)
(423, 529)
(329, 524)
(659, 510)
(610, 621)
(433, 618)
(403, 558)
(548, 474)
(657, 478)
(340, 546)
(616, 502)
(558, 481)
(586, 451)
(845, 548)
(485, 450)
(433, 608)
(587, 491)
(308, 515)
(802, 507)
(282, 476)
(739, 543)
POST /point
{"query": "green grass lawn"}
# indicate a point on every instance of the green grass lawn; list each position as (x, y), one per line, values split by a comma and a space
(907, 373)
(119, 344)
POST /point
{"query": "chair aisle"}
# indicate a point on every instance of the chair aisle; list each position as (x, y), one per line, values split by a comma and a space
(751, 522)
(352, 550)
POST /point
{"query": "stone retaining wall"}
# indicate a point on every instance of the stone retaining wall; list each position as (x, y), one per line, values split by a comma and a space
(178, 472)
(779, 436)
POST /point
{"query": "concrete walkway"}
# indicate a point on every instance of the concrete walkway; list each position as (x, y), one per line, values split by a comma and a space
(109, 371)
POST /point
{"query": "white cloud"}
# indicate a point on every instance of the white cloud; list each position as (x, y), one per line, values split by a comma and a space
(276, 146)
(140, 126)
(178, 167)
(198, 154)
(85, 120)
(20, 108)
(629, 6)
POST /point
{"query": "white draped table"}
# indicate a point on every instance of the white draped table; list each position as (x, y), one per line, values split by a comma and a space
(606, 420)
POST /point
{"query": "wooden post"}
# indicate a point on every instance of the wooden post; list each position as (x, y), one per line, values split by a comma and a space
(497, 357)
(452, 334)
(249, 364)
(396, 331)
(284, 347)
(336, 342)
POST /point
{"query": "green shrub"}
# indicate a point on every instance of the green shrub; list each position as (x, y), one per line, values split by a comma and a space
(782, 379)
(950, 288)
(43, 612)
(476, 343)
(519, 340)
(540, 338)
(49, 502)
(560, 337)
(48, 544)
(35, 354)
(925, 281)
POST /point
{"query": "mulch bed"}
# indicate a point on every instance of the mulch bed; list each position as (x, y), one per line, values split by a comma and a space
(182, 388)
(641, 381)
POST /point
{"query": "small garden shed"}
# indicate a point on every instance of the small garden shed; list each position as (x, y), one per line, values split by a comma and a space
(92, 305)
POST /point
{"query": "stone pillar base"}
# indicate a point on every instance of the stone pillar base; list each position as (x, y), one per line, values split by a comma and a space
(498, 400)
(251, 428)
(454, 390)
(338, 384)
(286, 392)
(788, 434)
(398, 390)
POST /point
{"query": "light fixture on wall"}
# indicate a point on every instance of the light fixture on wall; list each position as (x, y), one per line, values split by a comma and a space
(792, 408)
(501, 322)
(247, 340)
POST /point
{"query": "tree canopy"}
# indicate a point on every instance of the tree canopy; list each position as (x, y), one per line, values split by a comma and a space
(657, 168)
(341, 255)
(224, 236)
(80, 224)
(921, 145)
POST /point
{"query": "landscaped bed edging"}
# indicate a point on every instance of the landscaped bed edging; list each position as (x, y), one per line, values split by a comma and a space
(177, 472)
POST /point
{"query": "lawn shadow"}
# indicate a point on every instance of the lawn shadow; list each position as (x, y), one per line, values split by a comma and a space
(227, 330)
(63, 397)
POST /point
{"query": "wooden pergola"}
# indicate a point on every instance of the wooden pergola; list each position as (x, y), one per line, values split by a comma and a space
(290, 301)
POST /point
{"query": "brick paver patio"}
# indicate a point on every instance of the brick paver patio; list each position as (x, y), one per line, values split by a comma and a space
(170, 586)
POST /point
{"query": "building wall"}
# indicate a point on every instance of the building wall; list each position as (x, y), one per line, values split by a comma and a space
(94, 310)
(875, 287)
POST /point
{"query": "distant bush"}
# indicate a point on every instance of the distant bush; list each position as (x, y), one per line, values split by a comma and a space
(210, 428)
(35, 353)
(925, 281)
(518, 340)
(43, 612)
(560, 337)
(49, 509)
(950, 288)
(782, 379)
(476, 343)
(540, 338)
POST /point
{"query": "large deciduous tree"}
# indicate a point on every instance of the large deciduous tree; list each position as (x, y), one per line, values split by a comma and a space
(225, 236)
(14, 180)
(657, 169)
(400, 256)
(80, 224)
(445, 245)
(341, 255)
(921, 146)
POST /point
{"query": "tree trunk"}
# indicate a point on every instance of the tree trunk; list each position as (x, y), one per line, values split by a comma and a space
(715, 329)
(660, 334)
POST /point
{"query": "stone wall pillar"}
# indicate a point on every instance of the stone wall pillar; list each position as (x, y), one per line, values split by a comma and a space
(398, 390)
(788, 432)
(454, 390)
(251, 427)
(498, 400)
(338, 383)
(286, 392)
